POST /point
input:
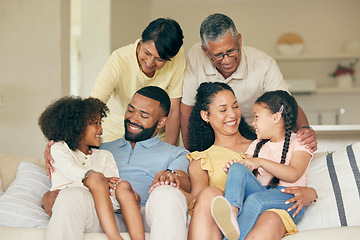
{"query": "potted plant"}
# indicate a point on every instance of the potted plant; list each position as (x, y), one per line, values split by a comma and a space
(344, 75)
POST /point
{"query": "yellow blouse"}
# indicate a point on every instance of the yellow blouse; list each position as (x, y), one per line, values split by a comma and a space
(213, 161)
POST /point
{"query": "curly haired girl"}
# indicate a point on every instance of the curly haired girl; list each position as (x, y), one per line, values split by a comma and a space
(75, 126)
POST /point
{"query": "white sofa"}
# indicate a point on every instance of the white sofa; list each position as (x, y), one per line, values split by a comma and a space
(336, 214)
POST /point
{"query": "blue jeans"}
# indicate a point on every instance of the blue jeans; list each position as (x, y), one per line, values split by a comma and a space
(244, 191)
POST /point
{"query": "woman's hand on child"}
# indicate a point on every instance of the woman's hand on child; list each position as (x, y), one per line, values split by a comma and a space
(251, 163)
(303, 196)
(165, 178)
(228, 165)
(48, 159)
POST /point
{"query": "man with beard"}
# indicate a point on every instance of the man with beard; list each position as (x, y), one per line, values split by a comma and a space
(156, 170)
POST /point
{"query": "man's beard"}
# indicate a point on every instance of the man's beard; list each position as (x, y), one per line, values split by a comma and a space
(145, 134)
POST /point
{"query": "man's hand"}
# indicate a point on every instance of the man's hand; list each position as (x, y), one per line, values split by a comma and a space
(303, 196)
(48, 201)
(165, 178)
(307, 137)
(48, 159)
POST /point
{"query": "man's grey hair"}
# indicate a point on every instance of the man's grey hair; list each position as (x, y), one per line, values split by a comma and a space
(215, 27)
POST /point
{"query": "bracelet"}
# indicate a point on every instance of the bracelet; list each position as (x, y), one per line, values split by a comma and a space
(308, 127)
(171, 171)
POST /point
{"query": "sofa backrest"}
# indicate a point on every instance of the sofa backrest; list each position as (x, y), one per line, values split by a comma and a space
(9, 164)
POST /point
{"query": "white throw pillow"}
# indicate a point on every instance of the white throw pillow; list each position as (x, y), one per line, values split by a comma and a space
(20, 205)
(336, 178)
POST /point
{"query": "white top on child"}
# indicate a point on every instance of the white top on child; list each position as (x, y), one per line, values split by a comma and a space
(71, 166)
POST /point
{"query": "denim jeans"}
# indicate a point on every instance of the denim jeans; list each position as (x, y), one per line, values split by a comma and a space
(244, 191)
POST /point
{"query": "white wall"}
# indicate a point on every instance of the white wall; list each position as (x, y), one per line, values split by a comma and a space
(128, 20)
(95, 41)
(34, 50)
(107, 25)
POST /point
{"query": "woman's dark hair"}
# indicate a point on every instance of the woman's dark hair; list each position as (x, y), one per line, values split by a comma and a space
(201, 135)
(67, 118)
(167, 36)
(283, 102)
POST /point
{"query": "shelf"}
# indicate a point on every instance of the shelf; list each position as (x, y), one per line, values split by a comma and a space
(338, 90)
(341, 56)
(348, 129)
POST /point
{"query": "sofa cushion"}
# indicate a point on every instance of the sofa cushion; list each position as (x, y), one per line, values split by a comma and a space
(336, 178)
(9, 165)
(20, 205)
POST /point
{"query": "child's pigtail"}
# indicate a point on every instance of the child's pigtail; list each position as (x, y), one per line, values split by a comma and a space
(256, 152)
(289, 122)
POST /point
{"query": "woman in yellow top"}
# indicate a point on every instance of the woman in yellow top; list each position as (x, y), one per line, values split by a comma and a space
(218, 134)
(156, 59)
